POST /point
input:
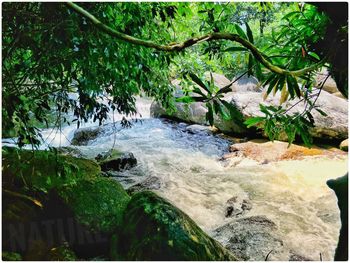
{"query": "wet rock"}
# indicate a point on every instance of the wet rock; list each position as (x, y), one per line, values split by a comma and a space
(236, 207)
(151, 183)
(251, 238)
(340, 187)
(97, 203)
(154, 229)
(71, 151)
(266, 151)
(196, 128)
(344, 145)
(115, 160)
(83, 135)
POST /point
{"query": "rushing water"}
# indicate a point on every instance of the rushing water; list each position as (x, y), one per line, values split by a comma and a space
(292, 194)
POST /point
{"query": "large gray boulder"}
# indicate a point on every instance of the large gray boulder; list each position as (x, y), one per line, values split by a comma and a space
(332, 126)
(156, 230)
(255, 238)
(219, 79)
(329, 83)
(83, 135)
(246, 83)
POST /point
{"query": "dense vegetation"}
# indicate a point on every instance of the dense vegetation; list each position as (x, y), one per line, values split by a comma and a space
(115, 51)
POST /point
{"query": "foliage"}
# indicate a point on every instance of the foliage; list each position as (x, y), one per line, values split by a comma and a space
(50, 52)
(44, 170)
(212, 96)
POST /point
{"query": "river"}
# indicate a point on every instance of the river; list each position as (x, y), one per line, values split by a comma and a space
(291, 194)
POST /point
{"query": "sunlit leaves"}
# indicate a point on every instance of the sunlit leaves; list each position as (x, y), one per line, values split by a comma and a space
(214, 101)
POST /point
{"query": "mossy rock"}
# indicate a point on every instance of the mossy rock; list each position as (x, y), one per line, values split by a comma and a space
(44, 170)
(154, 229)
(116, 160)
(97, 203)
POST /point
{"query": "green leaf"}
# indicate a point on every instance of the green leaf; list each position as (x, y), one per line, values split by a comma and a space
(235, 49)
(189, 99)
(290, 15)
(210, 115)
(253, 121)
(321, 112)
(294, 84)
(314, 55)
(249, 33)
(225, 115)
(216, 107)
(273, 83)
(227, 88)
(258, 71)
(290, 86)
(236, 115)
(310, 117)
(240, 32)
(198, 81)
(198, 91)
(186, 99)
(250, 64)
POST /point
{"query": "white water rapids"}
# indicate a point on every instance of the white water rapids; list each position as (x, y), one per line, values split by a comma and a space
(292, 194)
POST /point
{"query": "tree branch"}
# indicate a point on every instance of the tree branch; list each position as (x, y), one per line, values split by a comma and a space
(192, 41)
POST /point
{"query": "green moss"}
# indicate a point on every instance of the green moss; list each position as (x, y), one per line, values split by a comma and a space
(11, 256)
(153, 229)
(44, 170)
(97, 203)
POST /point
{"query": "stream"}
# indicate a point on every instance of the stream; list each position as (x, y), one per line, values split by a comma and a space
(298, 213)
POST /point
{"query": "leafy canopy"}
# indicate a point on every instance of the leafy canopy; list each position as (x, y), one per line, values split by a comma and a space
(50, 52)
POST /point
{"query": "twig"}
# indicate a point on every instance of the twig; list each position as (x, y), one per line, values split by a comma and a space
(268, 254)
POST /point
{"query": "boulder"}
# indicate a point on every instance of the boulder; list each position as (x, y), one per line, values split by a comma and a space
(97, 203)
(252, 238)
(341, 188)
(196, 128)
(44, 170)
(236, 207)
(58, 199)
(71, 151)
(246, 83)
(195, 113)
(219, 79)
(83, 135)
(115, 160)
(332, 126)
(151, 183)
(264, 151)
(154, 229)
(330, 85)
(344, 145)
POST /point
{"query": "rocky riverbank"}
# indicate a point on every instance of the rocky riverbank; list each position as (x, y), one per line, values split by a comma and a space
(68, 211)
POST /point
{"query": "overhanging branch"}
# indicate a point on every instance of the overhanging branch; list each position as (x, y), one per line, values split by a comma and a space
(192, 41)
